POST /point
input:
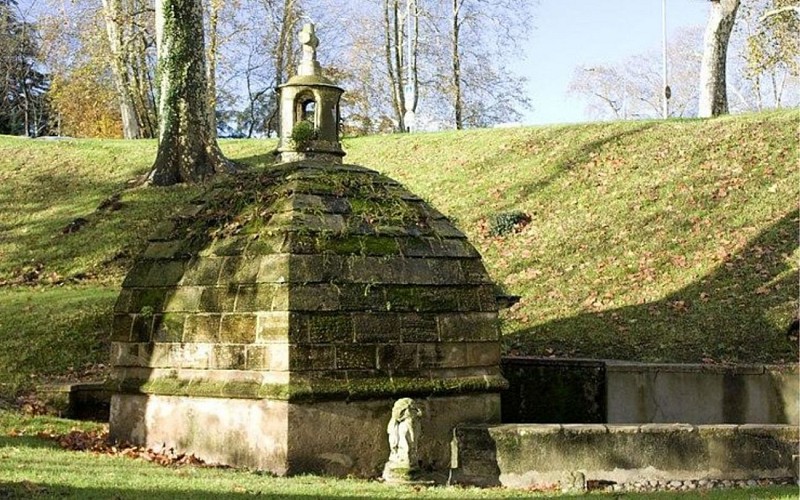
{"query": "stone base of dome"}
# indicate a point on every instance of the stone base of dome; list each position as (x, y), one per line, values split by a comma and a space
(333, 437)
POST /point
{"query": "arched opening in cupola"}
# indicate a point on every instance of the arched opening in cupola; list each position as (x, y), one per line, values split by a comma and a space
(306, 108)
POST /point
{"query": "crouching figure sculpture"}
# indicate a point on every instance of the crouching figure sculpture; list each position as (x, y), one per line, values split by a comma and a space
(403, 430)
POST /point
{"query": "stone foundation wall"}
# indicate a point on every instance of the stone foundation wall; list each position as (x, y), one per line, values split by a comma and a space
(335, 437)
(570, 455)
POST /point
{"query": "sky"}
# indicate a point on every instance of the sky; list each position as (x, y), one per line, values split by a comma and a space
(573, 33)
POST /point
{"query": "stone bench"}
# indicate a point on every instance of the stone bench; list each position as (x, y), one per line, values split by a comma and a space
(570, 455)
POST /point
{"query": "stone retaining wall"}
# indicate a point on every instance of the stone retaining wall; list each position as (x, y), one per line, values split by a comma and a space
(702, 394)
(597, 391)
(570, 455)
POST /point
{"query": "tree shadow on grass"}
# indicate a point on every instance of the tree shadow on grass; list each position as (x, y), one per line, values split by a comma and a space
(26, 489)
(741, 308)
(576, 156)
(260, 160)
(26, 442)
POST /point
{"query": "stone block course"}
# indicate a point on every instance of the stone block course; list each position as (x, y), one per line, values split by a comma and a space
(362, 297)
(228, 357)
(311, 357)
(168, 327)
(257, 357)
(328, 328)
(238, 328)
(278, 327)
(163, 250)
(418, 328)
(255, 298)
(468, 326)
(356, 357)
(376, 328)
(217, 299)
(183, 299)
(147, 298)
(165, 273)
(273, 268)
(397, 358)
(194, 356)
(202, 328)
(315, 268)
(162, 356)
(202, 271)
(483, 354)
(240, 270)
(141, 328)
(474, 271)
(313, 297)
(263, 245)
(233, 246)
(121, 327)
(442, 355)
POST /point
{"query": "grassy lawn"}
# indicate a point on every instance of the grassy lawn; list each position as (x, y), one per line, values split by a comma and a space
(670, 241)
(33, 467)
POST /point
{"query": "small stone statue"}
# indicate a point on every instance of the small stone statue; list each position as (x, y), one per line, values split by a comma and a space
(403, 430)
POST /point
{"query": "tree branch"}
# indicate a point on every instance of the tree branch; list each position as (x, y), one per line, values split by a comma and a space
(775, 12)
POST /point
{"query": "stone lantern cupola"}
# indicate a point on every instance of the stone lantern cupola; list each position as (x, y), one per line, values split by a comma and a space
(309, 110)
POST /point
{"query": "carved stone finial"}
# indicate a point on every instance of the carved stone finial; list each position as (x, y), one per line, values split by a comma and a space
(309, 65)
(403, 430)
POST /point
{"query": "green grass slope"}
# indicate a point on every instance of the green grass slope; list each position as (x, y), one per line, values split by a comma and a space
(656, 241)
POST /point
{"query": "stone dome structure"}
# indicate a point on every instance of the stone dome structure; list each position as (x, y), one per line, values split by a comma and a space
(273, 323)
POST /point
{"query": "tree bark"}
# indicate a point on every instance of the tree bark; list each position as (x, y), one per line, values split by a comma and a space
(114, 16)
(713, 92)
(393, 50)
(458, 101)
(187, 147)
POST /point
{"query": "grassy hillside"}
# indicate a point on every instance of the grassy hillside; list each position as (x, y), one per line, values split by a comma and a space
(657, 241)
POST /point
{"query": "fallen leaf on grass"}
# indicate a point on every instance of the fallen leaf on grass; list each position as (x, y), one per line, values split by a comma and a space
(98, 442)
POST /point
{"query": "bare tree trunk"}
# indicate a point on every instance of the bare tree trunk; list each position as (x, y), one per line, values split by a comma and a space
(282, 56)
(458, 101)
(393, 47)
(187, 148)
(713, 92)
(415, 58)
(114, 19)
(213, 45)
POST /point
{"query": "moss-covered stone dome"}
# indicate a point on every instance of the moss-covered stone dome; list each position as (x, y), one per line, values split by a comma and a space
(306, 281)
(273, 324)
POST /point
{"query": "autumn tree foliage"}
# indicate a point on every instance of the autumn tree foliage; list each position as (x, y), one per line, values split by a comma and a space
(82, 91)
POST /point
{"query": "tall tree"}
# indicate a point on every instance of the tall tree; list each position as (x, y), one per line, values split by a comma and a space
(128, 41)
(187, 145)
(23, 81)
(401, 48)
(713, 89)
(75, 49)
(633, 89)
(773, 45)
(482, 36)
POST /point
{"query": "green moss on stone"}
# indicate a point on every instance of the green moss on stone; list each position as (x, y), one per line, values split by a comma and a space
(309, 389)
